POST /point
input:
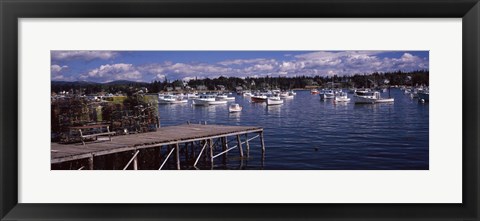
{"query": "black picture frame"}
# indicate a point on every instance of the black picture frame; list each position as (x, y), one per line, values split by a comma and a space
(12, 10)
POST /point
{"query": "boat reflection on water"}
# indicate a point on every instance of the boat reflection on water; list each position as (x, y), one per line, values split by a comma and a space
(377, 107)
(274, 109)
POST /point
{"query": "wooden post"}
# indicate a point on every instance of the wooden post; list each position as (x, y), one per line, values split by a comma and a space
(135, 163)
(156, 154)
(205, 143)
(211, 152)
(240, 146)
(90, 163)
(248, 145)
(160, 154)
(262, 143)
(186, 151)
(81, 136)
(114, 156)
(224, 148)
(177, 155)
(192, 144)
(133, 159)
(210, 141)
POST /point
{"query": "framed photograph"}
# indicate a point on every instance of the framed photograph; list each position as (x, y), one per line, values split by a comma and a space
(239, 110)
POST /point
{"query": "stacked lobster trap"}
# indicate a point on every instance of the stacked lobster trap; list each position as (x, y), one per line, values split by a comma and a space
(124, 115)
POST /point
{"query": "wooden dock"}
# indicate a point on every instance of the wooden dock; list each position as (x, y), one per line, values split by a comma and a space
(211, 141)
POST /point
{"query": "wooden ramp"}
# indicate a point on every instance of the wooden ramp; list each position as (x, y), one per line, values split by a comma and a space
(172, 135)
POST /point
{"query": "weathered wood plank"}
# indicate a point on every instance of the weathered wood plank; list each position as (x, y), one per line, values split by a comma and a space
(163, 136)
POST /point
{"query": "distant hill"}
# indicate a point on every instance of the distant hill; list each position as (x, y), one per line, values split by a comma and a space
(124, 82)
(73, 83)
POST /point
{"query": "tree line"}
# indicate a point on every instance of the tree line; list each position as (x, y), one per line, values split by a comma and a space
(413, 78)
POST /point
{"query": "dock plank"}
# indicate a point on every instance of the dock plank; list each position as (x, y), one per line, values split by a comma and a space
(163, 136)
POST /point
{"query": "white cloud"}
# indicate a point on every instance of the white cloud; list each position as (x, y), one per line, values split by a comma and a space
(160, 77)
(246, 61)
(111, 72)
(56, 72)
(57, 68)
(309, 64)
(353, 62)
(182, 70)
(83, 55)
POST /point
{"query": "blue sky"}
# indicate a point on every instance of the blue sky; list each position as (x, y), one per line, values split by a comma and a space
(146, 66)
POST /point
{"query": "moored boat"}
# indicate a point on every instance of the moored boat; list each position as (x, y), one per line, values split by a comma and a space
(274, 100)
(258, 98)
(286, 95)
(327, 94)
(192, 95)
(205, 100)
(370, 97)
(234, 108)
(222, 97)
(314, 91)
(341, 97)
(171, 99)
(247, 94)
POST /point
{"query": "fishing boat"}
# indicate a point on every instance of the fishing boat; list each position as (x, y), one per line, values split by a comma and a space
(234, 108)
(370, 97)
(259, 98)
(327, 94)
(192, 95)
(314, 91)
(247, 94)
(286, 95)
(225, 97)
(275, 100)
(205, 100)
(171, 99)
(341, 97)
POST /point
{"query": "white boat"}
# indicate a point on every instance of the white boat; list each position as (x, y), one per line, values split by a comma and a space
(161, 95)
(222, 97)
(234, 108)
(259, 98)
(171, 99)
(286, 95)
(247, 94)
(327, 94)
(205, 100)
(341, 97)
(314, 91)
(292, 93)
(370, 97)
(274, 101)
(191, 96)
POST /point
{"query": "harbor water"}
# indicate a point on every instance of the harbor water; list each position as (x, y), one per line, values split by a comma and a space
(306, 133)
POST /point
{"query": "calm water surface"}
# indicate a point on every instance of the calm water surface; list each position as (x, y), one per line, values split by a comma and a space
(307, 133)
